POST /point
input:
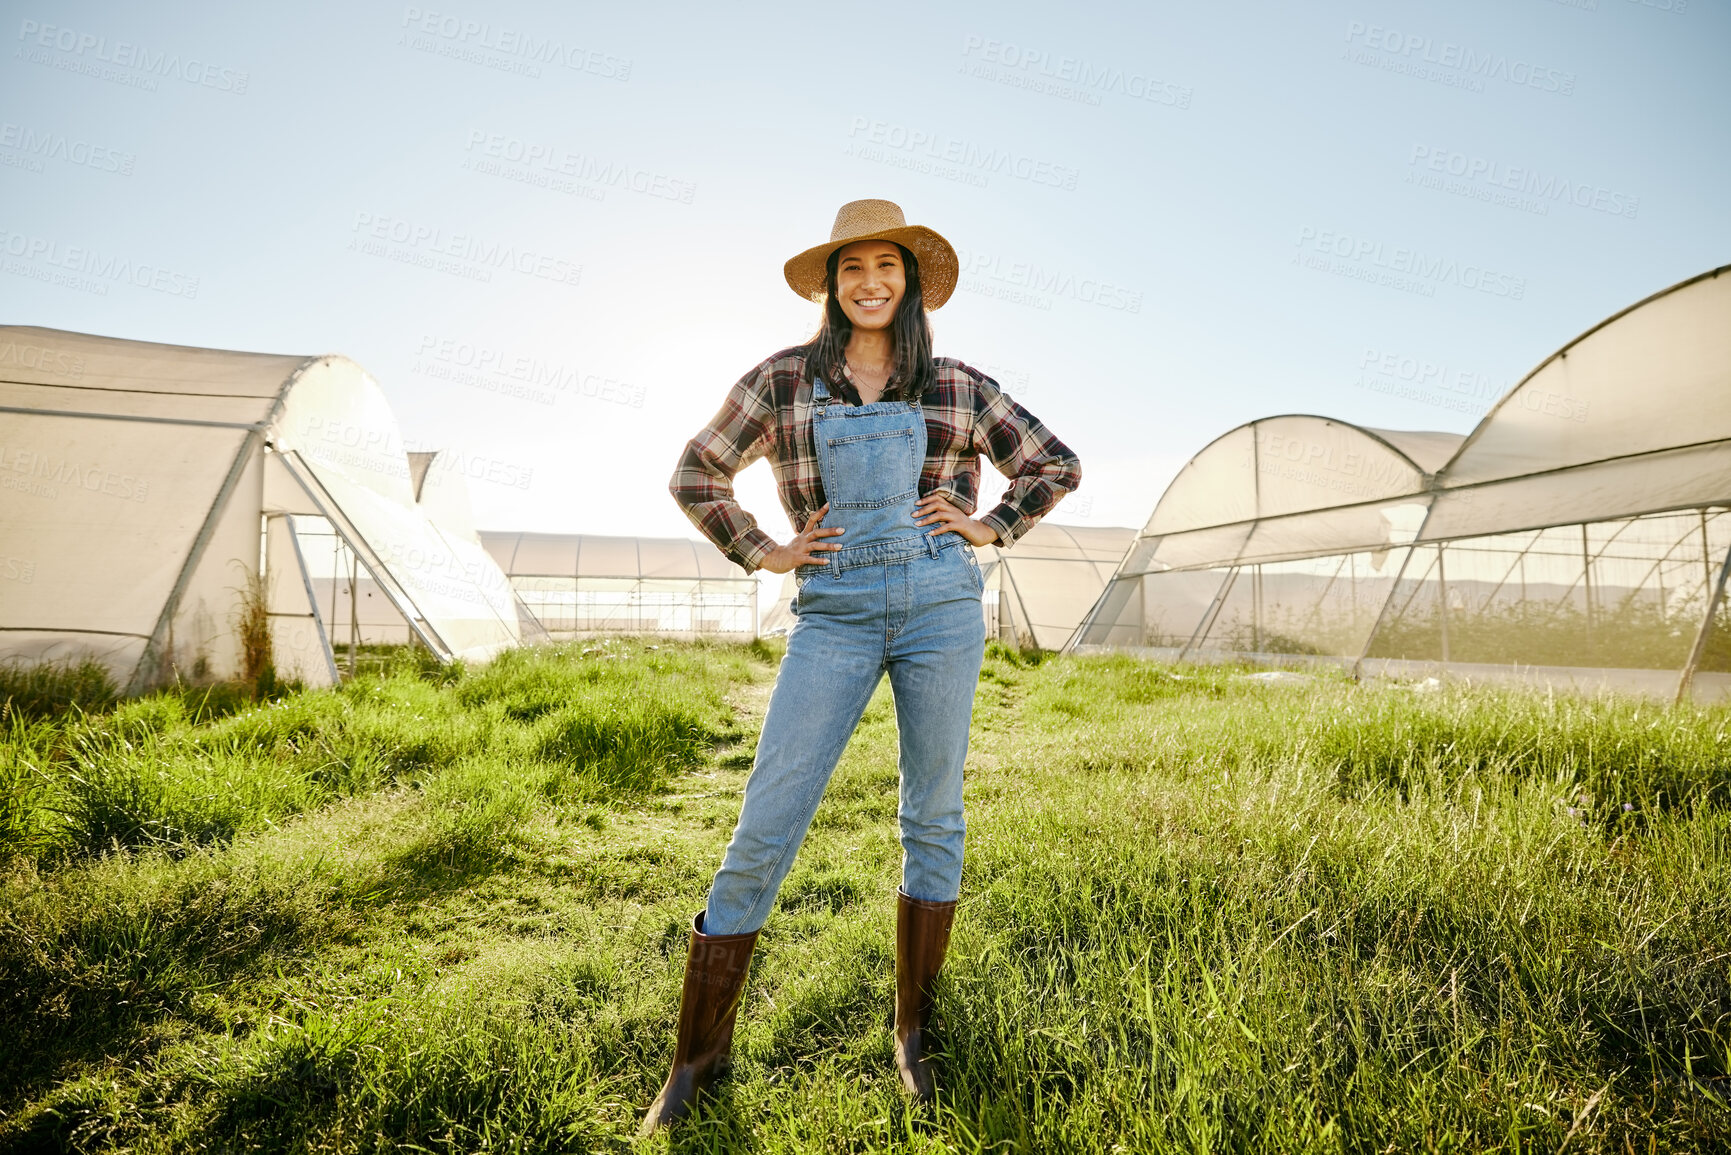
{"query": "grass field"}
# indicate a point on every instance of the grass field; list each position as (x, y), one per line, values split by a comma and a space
(445, 911)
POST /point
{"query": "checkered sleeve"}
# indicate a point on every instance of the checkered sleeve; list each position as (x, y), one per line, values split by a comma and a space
(1041, 469)
(740, 433)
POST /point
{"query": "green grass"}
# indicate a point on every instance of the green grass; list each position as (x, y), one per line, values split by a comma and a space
(50, 689)
(445, 910)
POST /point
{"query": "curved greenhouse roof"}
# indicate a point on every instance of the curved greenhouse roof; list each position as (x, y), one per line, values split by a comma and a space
(1295, 463)
(1595, 492)
(1632, 417)
(146, 485)
(1287, 485)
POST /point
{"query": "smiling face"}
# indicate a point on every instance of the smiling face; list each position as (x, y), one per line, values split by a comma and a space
(870, 281)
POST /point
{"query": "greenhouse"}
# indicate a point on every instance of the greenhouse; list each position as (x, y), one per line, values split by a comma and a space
(167, 512)
(1578, 536)
(357, 610)
(576, 585)
(1037, 593)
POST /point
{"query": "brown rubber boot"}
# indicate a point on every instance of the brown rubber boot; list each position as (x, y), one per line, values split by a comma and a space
(714, 981)
(922, 937)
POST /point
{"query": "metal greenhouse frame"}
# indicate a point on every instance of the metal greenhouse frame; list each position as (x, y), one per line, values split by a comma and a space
(577, 585)
(156, 492)
(1580, 535)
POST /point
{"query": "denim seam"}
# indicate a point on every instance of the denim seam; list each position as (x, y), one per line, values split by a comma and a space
(890, 553)
(891, 500)
(906, 434)
(875, 409)
(818, 789)
(890, 630)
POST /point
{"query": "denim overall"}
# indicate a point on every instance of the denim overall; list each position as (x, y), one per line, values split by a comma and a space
(896, 599)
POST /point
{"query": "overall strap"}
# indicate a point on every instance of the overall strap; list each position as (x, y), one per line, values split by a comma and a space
(819, 394)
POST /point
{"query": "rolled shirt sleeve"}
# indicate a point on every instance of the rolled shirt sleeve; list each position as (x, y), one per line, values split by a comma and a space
(1042, 470)
(742, 431)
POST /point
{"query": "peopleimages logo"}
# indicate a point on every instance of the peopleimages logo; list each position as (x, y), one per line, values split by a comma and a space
(41, 145)
(980, 272)
(1009, 379)
(1068, 77)
(1430, 374)
(462, 253)
(44, 474)
(89, 269)
(344, 444)
(1462, 390)
(1528, 188)
(41, 359)
(1362, 258)
(1324, 466)
(941, 148)
(1427, 382)
(84, 48)
(478, 467)
(1446, 62)
(470, 39)
(555, 162)
(516, 374)
(442, 572)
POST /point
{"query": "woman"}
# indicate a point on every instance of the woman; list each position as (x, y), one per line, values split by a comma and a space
(876, 447)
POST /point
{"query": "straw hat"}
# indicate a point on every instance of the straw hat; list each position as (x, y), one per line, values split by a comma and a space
(878, 221)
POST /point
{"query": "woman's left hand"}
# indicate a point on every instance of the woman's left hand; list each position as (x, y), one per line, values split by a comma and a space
(935, 509)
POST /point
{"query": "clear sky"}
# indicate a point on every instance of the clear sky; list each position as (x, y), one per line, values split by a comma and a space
(555, 232)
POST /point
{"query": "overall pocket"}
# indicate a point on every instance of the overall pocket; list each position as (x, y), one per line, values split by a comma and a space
(872, 470)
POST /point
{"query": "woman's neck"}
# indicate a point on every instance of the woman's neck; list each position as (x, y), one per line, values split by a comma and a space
(870, 349)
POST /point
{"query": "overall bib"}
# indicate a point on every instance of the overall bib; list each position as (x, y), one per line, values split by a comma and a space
(896, 599)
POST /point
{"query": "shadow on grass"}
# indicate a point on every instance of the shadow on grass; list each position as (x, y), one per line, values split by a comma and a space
(724, 1121)
(97, 969)
(84, 993)
(417, 1072)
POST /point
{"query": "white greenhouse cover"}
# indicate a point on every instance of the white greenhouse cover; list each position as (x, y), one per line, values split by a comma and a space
(1039, 590)
(580, 584)
(598, 556)
(1614, 436)
(779, 618)
(1631, 418)
(143, 486)
(1290, 486)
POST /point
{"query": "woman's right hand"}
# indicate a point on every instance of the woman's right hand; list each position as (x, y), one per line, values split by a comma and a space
(806, 549)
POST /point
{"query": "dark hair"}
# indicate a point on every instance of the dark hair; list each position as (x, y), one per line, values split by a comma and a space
(911, 374)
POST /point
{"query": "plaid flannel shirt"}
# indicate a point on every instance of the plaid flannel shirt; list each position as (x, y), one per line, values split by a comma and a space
(768, 413)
